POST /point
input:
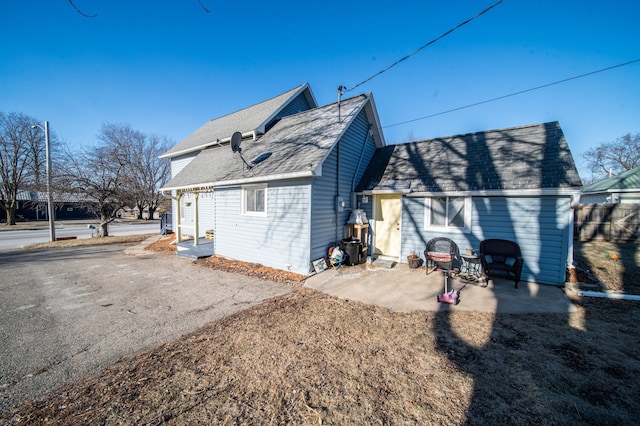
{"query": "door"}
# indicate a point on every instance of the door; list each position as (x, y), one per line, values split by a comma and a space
(387, 215)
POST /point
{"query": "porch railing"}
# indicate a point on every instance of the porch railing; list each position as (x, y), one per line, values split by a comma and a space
(166, 223)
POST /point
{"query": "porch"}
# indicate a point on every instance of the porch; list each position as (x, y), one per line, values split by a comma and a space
(188, 249)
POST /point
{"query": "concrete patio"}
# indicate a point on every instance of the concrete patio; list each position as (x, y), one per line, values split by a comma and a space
(403, 289)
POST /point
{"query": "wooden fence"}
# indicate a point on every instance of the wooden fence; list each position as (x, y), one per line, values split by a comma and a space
(609, 222)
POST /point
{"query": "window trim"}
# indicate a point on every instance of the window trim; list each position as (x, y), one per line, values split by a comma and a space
(245, 191)
(446, 228)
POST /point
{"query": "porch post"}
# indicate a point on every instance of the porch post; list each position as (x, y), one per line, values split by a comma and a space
(195, 225)
(178, 218)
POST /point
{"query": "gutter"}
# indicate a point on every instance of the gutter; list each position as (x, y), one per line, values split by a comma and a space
(250, 134)
(209, 185)
(496, 193)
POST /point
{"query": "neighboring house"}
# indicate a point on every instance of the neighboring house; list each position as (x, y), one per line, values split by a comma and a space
(518, 184)
(285, 211)
(621, 189)
(32, 206)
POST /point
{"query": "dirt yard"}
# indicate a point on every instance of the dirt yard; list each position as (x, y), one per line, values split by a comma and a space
(309, 358)
(616, 265)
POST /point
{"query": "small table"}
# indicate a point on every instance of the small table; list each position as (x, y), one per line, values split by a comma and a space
(471, 266)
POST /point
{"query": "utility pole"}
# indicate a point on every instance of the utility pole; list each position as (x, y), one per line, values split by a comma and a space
(52, 223)
(50, 206)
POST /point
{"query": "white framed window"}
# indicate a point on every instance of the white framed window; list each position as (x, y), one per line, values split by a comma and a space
(254, 200)
(448, 213)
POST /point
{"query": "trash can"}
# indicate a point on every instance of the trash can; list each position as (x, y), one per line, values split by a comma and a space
(352, 247)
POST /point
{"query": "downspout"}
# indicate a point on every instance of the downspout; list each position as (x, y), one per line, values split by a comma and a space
(573, 203)
(609, 295)
(337, 189)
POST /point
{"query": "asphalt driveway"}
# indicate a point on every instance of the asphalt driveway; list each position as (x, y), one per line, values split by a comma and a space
(66, 313)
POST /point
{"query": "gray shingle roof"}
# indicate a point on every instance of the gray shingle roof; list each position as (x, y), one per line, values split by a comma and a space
(518, 158)
(247, 120)
(298, 144)
(624, 181)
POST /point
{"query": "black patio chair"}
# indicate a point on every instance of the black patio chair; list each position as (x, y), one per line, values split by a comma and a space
(501, 259)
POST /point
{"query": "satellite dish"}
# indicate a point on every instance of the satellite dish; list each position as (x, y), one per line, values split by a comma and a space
(260, 158)
(236, 139)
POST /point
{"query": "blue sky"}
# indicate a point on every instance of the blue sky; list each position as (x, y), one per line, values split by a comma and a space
(166, 67)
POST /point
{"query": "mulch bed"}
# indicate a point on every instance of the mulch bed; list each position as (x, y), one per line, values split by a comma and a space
(166, 246)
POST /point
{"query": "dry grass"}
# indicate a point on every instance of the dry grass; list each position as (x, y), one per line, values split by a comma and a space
(616, 265)
(91, 241)
(309, 358)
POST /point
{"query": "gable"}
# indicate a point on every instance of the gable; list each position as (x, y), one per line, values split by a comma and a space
(532, 157)
(251, 121)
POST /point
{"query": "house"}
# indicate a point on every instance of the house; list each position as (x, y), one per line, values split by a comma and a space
(621, 189)
(518, 184)
(32, 206)
(284, 196)
(610, 209)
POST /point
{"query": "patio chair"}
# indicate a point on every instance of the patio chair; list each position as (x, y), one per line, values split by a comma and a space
(440, 254)
(501, 259)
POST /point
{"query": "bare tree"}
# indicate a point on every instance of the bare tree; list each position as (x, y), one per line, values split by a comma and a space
(152, 171)
(614, 157)
(146, 172)
(21, 160)
(124, 169)
(97, 176)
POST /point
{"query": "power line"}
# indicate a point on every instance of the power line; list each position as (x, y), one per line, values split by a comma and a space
(422, 47)
(515, 93)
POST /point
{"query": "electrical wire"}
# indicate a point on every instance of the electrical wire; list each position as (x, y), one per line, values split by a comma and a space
(80, 11)
(516, 93)
(422, 47)
(203, 7)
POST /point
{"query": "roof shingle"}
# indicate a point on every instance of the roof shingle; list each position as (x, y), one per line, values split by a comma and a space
(298, 144)
(518, 158)
(249, 119)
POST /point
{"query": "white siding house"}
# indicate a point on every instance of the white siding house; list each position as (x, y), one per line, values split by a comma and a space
(280, 212)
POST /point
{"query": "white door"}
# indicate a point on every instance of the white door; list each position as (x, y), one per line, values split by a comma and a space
(387, 216)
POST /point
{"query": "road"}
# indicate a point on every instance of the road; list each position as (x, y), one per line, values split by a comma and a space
(12, 240)
(66, 313)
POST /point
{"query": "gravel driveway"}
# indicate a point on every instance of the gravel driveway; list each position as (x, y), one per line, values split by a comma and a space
(66, 313)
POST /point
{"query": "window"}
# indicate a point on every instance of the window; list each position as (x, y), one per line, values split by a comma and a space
(254, 200)
(452, 213)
